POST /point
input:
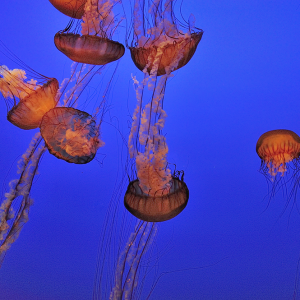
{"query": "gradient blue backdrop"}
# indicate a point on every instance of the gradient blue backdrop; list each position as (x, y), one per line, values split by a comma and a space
(242, 81)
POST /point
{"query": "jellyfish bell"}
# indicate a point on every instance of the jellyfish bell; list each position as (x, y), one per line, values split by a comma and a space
(88, 49)
(276, 148)
(28, 113)
(162, 47)
(94, 45)
(35, 98)
(70, 134)
(181, 49)
(162, 206)
(71, 8)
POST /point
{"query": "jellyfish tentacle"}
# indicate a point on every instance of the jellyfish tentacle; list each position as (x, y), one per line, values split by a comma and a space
(12, 222)
(129, 260)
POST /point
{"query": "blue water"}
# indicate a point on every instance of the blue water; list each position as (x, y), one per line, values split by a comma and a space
(229, 242)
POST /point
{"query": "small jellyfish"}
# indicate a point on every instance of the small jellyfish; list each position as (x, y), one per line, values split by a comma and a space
(94, 45)
(35, 98)
(71, 8)
(276, 148)
(71, 134)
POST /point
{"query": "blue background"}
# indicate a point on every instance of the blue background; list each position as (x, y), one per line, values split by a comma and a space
(229, 242)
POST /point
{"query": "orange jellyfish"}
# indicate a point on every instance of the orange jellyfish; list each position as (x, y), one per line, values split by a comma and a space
(71, 134)
(160, 206)
(36, 97)
(279, 152)
(156, 195)
(71, 8)
(276, 148)
(94, 45)
(163, 40)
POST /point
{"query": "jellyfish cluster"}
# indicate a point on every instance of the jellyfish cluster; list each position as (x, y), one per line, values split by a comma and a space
(159, 45)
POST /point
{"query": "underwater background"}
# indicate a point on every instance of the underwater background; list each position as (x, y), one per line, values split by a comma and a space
(230, 242)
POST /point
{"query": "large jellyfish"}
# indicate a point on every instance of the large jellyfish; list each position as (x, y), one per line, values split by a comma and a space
(156, 195)
(94, 45)
(36, 96)
(159, 48)
(159, 44)
(71, 134)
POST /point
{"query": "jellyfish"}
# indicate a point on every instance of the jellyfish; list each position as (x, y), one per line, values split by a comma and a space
(157, 208)
(160, 49)
(94, 45)
(71, 8)
(279, 152)
(70, 134)
(276, 148)
(163, 43)
(35, 97)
